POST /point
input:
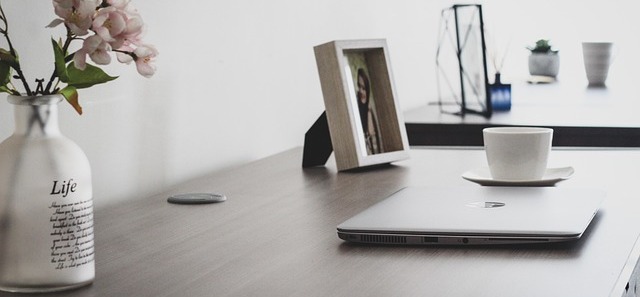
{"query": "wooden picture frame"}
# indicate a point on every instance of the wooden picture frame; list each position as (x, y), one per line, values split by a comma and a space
(364, 118)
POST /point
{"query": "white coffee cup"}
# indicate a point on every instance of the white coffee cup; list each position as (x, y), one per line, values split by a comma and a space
(517, 153)
(597, 60)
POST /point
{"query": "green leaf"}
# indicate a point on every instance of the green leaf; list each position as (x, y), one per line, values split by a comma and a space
(71, 94)
(88, 77)
(5, 73)
(4, 89)
(8, 58)
(61, 70)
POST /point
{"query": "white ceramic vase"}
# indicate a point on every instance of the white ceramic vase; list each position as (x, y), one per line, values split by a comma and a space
(46, 206)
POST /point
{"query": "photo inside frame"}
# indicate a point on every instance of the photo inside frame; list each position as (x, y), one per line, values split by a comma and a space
(372, 101)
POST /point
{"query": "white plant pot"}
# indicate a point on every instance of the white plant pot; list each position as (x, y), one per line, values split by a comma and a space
(544, 64)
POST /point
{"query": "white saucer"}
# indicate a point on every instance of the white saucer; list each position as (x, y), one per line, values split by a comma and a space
(483, 177)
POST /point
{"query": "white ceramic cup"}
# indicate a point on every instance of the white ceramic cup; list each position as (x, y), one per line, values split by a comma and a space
(597, 60)
(517, 153)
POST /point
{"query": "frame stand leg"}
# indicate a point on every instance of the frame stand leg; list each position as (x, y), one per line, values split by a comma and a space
(317, 143)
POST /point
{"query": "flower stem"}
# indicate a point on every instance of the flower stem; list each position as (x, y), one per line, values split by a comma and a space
(15, 65)
(131, 54)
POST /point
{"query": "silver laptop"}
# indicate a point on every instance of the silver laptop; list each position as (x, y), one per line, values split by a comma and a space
(484, 215)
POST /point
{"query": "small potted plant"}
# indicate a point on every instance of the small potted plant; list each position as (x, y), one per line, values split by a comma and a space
(543, 60)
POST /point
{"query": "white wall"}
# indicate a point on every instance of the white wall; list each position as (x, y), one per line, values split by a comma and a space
(237, 79)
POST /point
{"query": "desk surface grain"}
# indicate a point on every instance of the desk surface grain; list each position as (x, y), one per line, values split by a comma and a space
(276, 236)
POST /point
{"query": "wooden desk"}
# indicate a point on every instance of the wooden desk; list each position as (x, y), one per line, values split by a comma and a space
(276, 236)
(580, 116)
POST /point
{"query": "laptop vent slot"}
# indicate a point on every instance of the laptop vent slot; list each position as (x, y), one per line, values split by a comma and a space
(383, 239)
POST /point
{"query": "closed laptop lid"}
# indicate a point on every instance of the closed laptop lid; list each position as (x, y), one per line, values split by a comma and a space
(467, 214)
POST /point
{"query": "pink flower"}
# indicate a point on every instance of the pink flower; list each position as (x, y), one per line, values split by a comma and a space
(133, 33)
(144, 56)
(96, 48)
(118, 27)
(119, 4)
(110, 23)
(116, 24)
(124, 54)
(77, 14)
